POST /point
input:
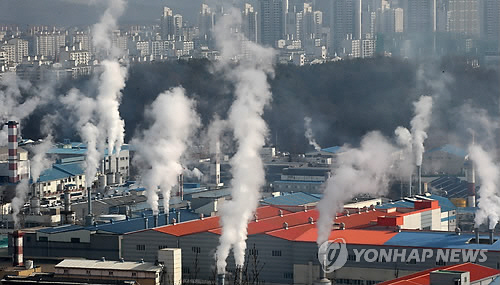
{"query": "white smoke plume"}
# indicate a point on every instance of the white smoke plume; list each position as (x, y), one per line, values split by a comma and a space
(367, 169)
(161, 146)
(195, 172)
(419, 125)
(309, 134)
(253, 94)
(22, 190)
(489, 197)
(19, 100)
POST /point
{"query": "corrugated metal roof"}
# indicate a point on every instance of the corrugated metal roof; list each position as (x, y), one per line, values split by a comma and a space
(333, 149)
(61, 171)
(61, 229)
(445, 203)
(439, 240)
(477, 273)
(292, 199)
(109, 265)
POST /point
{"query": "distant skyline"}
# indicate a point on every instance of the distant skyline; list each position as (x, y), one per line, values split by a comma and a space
(79, 12)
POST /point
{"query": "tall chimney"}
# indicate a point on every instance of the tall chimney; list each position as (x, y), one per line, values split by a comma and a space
(471, 184)
(117, 164)
(155, 221)
(410, 184)
(178, 216)
(17, 239)
(492, 238)
(215, 165)
(90, 217)
(476, 232)
(110, 170)
(146, 224)
(220, 278)
(419, 170)
(180, 190)
(12, 131)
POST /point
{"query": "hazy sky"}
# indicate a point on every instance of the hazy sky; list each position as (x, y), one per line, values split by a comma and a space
(80, 12)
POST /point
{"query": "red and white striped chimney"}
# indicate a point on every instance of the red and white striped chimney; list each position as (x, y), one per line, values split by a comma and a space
(13, 175)
(18, 257)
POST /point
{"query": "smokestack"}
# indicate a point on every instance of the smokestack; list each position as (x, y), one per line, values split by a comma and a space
(17, 239)
(146, 222)
(179, 216)
(180, 191)
(110, 170)
(117, 164)
(410, 184)
(155, 221)
(215, 166)
(419, 171)
(471, 184)
(90, 217)
(167, 218)
(476, 232)
(12, 131)
(492, 239)
(220, 278)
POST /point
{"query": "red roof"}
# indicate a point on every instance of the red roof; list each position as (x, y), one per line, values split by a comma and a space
(309, 233)
(211, 223)
(477, 272)
(363, 219)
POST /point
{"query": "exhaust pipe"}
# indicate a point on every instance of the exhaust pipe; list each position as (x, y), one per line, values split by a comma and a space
(220, 278)
(476, 231)
(419, 168)
(155, 221)
(492, 239)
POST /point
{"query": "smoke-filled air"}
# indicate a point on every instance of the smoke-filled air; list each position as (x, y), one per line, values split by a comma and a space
(160, 147)
(309, 134)
(419, 125)
(252, 95)
(489, 174)
(38, 163)
(99, 119)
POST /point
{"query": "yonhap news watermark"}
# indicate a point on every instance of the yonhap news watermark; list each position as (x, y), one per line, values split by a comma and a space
(334, 255)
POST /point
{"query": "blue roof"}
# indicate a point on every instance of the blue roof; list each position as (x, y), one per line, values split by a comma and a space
(333, 149)
(78, 148)
(292, 199)
(61, 229)
(451, 149)
(61, 171)
(454, 186)
(470, 210)
(136, 224)
(439, 240)
(445, 204)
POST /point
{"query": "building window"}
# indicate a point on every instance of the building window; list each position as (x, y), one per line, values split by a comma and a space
(141, 247)
(110, 273)
(196, 249)
(276, 253)
(88, 272)
(66, 271)
(134, 274)
(253, 251)
(75, 240)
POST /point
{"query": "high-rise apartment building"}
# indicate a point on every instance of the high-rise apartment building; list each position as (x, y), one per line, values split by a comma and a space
(345, 21)
(272, 26)
(21, 49)
(250, 23)
(490, 24)
(463, 17)
(206, 21)
(420, 16)
(167, 24)
(49, 44)
(178, 26)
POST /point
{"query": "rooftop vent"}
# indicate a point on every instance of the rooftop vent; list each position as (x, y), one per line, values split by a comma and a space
(285, 225)
(311, 220)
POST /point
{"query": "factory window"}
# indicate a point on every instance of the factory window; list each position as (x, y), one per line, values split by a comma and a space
(276, 252)
(134, 274)
(288, 275)
(66, 271)
(88, 272)
(253, 251)
(75, 240)
(80, 177)
(141, 247)
(196, 249)
(110, 273)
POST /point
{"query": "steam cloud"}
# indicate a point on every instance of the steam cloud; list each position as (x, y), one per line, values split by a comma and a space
(252, 93)
(419, 125)
(162, 145)
(99, 119)
(309, 134)
(489, 174)
(39, 162)
(366, 169)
